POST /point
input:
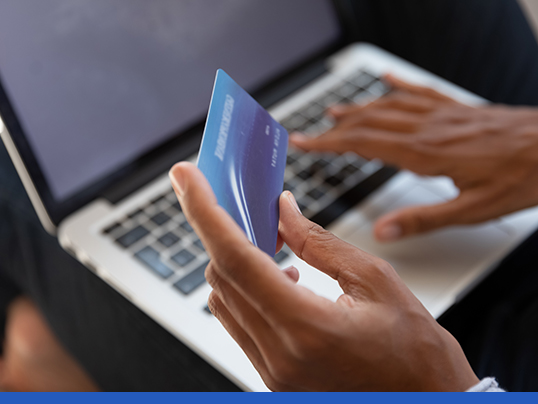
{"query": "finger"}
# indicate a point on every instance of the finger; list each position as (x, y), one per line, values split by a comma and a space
(388, 119)
(370, 143)
(398, 100)
(269, 342)
(471, 206)
(339, 110)
(292, 273)
(220, 311)
(323, 250)
(222, 314)
(405, 101)
(248, 269)
(246, 316)
(415, 89)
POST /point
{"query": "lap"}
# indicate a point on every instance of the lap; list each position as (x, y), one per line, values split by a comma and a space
(119, 346)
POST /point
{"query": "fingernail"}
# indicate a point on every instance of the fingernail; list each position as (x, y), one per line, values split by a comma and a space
(176, 176)
(291, 198)
(390, 232)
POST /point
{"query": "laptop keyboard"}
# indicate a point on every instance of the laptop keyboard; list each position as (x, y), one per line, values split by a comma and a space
(318, 179)
(159, 236)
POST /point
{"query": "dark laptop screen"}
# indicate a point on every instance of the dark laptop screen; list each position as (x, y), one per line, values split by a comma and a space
(97, 83)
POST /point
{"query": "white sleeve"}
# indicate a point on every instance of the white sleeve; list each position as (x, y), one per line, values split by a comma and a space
(486, 385)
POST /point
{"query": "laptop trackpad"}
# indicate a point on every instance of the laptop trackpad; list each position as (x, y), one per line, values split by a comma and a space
(436, 266)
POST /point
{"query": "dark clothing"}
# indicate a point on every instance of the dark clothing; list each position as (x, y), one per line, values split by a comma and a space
(497, 323)
(119, 346)
(485, 46)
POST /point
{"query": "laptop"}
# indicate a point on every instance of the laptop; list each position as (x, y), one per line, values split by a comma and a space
(100, 99)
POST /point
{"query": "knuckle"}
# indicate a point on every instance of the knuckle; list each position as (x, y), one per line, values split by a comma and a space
(311, 347)
(211, 275)
(420, 222)
(273, 385)
(232, 262)
(214, 303)
(383, 266)
(284, 371)
(379, 270)
(397, 99)
(316, 238)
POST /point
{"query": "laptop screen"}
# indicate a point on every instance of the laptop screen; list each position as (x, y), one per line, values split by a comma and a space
(97, 83)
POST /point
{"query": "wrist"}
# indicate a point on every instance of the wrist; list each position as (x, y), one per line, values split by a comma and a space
(444, 365)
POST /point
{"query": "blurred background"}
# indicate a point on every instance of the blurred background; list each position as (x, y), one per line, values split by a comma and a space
(532, 9)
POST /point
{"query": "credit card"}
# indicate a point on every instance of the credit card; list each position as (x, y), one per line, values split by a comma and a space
(243, 156)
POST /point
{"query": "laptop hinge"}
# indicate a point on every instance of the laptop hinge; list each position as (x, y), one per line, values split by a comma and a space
(153, 168)
(291, 83)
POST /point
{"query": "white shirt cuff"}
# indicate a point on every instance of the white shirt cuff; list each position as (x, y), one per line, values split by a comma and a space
(486, 385)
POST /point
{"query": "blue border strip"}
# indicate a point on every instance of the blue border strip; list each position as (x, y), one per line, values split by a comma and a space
(262, 398)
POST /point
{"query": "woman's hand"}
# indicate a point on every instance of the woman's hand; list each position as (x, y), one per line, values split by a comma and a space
(377, 336)
(491, 153)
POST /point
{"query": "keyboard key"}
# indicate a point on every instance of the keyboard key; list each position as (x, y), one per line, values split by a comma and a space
(313, 129)
(169, 239)
(361, 96)
(132, 236)
(372, 167)
(288, 187)
(198, 243)
(193, 280)
(112, 228)
(176, 206)
(152, 259)
(281, 256)
(296, 121)
(362, 80)
(313, 111)
(187, 227)
(183, 258)
(378, 88)
(295, 154)
(315, 194)
(329, 99)
(304, 175)
(324, 125)
(307, 127)
(290, 160)
(318, 166)
(302, 206)
(350, 169)
(160, 218)
(346, 90)
(334, 180)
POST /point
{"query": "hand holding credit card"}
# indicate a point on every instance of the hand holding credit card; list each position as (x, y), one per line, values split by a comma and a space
(243, 156)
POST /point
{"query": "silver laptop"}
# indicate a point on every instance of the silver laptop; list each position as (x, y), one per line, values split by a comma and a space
(99, 99)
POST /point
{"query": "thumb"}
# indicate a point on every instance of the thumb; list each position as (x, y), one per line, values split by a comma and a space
(467, 208)
(350, 266)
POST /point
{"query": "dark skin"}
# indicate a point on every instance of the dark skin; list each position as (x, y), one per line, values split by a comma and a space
(376, 337)
(490, 152)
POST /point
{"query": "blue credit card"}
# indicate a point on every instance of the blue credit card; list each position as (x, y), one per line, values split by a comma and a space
(243, 156)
